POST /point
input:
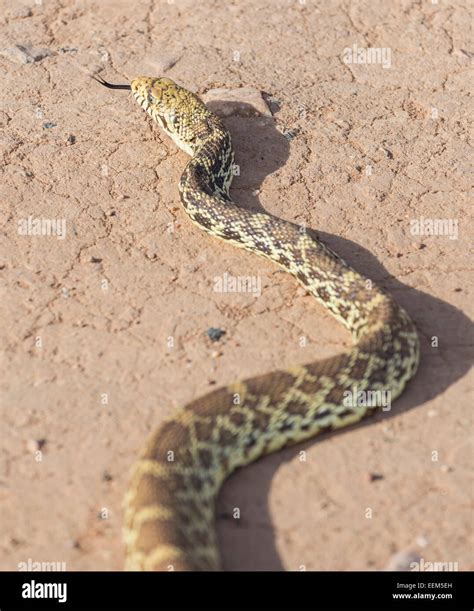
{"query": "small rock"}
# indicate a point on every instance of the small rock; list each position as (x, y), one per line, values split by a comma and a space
(373, 477)
(71, 139)
(106, 477)
(422, 541)
(302, 112)
(289, 134)
(96, 260)
(71, 50)
(216, 354)
(215, 334)
(25, 54)
(243, 102)
(401, 561)
(35, 445)
(388, 432)
(14, 542)
(49, 125)
(4, 119)
(463, 52)
(273, 102)
(18, 169)
(446, 469)
(20, 12)
(165, 62)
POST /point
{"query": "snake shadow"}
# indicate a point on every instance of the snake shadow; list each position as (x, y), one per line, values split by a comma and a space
(249, 543)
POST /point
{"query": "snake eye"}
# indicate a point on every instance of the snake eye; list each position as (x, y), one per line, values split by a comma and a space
(151, 99)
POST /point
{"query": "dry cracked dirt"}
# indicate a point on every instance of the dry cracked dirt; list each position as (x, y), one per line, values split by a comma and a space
(362, 136)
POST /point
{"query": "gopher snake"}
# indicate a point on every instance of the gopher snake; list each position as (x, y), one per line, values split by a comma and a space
(170, 504)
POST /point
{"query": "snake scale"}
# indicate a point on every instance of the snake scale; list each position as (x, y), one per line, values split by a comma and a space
(170, 503)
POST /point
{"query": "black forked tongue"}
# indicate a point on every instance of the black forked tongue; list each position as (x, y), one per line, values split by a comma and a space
(100, 80)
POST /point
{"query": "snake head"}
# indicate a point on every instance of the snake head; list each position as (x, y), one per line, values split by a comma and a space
(159, 98)
(180, 113)
(170, 105)
(157, 93)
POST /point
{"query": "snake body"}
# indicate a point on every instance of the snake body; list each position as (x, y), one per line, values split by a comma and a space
(170, 503)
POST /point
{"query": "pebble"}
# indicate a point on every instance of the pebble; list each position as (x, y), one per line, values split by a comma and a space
(388, 432)
(214, 334)
(34, 445)
(13, 541)
(20, 12)
(18, 169)
(164, 63)
(401, 561)
(4, 119)
(49, 125)
(71, 50)
(25, 54)
(273, 102)
(422, 541)
(243, 102)
(373, 477)
(289, 134)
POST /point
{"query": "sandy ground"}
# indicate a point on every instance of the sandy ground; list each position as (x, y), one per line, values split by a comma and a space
(104, 331)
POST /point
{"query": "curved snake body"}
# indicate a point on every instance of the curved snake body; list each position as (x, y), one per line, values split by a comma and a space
(170, 504)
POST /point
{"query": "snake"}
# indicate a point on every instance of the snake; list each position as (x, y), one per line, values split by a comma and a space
(170, 503)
